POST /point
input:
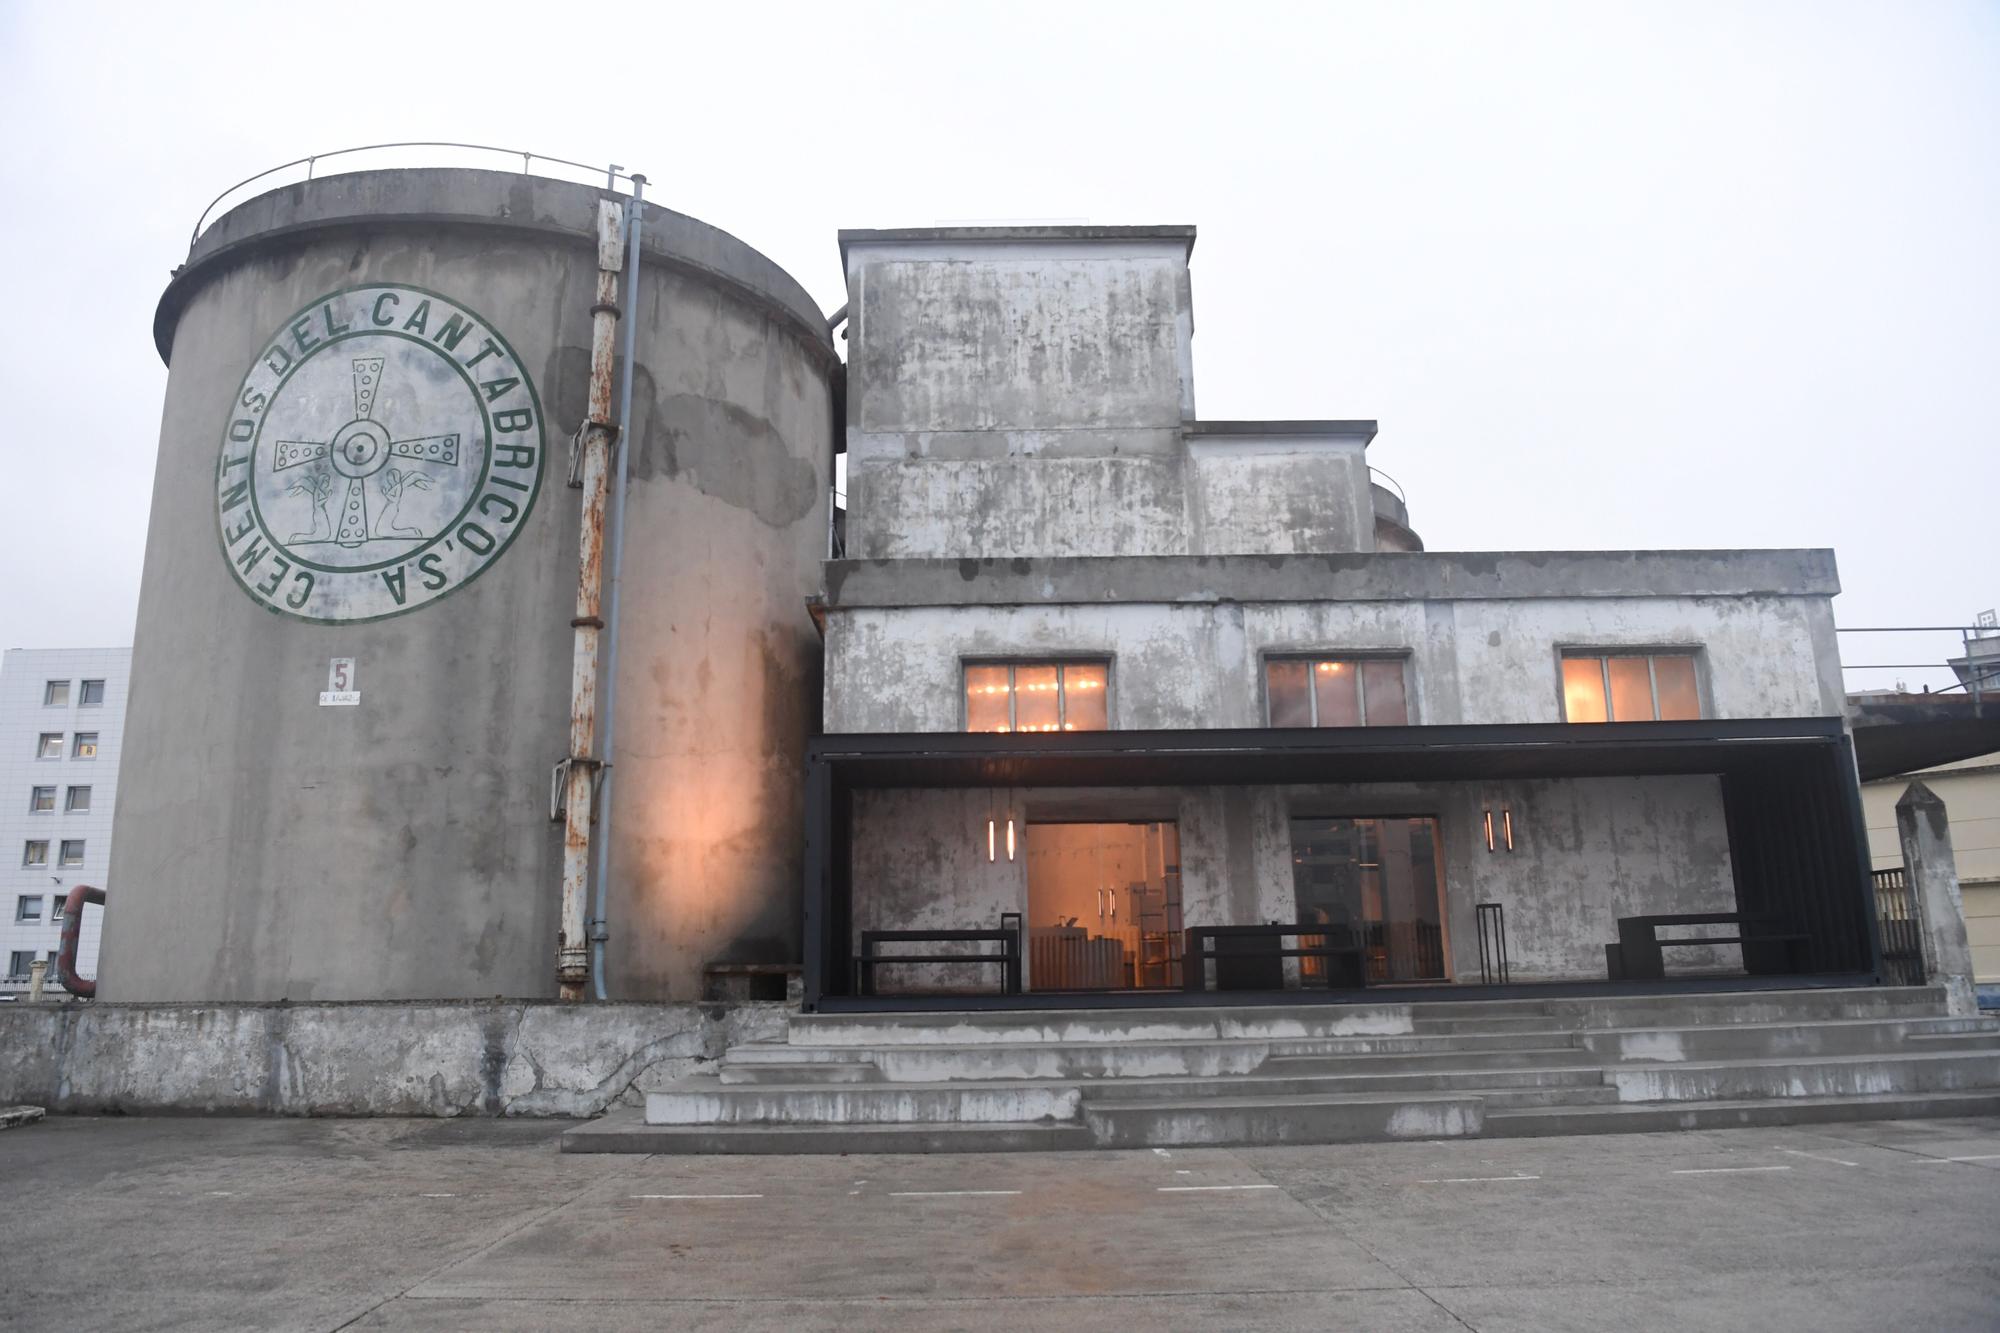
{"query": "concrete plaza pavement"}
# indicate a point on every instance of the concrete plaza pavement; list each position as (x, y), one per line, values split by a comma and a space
(161, 1223)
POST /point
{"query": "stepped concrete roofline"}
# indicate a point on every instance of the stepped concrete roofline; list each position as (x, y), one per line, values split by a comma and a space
(1379, 576)
(1367, 430)
(851, 236)
(432, 197)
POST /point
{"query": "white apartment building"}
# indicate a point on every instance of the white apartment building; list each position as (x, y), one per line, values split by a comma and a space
(62, 718)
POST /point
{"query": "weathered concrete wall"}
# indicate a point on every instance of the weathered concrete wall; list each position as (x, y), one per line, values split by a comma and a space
(271, 848)
(438, 1059)
(1029, 391)
(1587, 851)
(1197, 665)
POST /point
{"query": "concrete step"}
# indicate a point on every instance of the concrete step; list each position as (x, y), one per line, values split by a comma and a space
(1524, 1122)
(1825, 1076)
(1583, 1094)
(1412, 1082)
(1798, 1039)
(627, 1132)
(1258, 1120)
(1068, 1060)
(1375, 1017)
(707, 1101)
(1531, 1057)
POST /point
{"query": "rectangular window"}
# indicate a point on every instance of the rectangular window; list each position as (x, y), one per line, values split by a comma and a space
(1630, 687)
(55, 694)
(1336, 692)
(49, 746)
(34, 853)
(86, 745)
(28, 907)
(78, 801)
(41, 800)
(72, 851)
(93, 694)
(56, 909)
(1037, 696)
(18, 963)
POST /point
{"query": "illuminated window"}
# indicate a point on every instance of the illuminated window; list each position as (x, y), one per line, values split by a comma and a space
(86, 745)
(49, 746)
(1037, 696)
(1336, 692)
(1630, 687)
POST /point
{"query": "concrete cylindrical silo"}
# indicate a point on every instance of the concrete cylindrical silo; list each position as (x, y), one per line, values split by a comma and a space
(373, 381)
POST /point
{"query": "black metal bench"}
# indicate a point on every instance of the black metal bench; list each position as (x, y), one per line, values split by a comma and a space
(871, 956)
(1767, 948)
(1250, 957)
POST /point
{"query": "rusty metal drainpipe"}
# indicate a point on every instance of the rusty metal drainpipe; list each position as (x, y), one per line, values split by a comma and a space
(599, 930)
(580, 770)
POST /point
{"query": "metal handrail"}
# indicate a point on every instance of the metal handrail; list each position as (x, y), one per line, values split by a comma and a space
(1389, 484)
(612, 172)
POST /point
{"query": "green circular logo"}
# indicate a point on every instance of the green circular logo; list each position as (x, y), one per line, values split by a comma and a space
(383, 450)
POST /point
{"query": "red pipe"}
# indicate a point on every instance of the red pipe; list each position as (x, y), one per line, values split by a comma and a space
(81, 987)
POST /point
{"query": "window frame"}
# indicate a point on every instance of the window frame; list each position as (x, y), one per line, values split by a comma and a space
(24, 974)
(35, 798)
(70, 807)
(62, 853)
(21, 901)
(1603, 653)
(27, 850)
(42, 739)
(1058, 661)
(1312, 657)
(49, 692)
(76, 746)
(83, 699)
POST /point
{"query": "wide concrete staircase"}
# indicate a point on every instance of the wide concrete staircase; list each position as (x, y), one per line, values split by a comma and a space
(1124, 1078)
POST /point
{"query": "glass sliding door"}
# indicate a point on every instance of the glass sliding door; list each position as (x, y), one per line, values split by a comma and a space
(1377, 885)
(1104, 906)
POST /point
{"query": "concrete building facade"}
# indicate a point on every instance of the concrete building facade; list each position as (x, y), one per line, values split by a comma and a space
(1033, 497)
(62, 732)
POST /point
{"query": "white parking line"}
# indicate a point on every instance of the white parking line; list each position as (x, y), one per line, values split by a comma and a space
(1473, 1180)
(1817, 1157)
(437, 1196)
(1724, 1170)
(694, 1196)
(1203, 1189)
(950, 1194)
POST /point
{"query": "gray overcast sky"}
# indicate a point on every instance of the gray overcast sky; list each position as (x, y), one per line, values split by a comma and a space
(1609, 275)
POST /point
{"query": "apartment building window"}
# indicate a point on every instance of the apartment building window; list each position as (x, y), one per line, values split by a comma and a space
(78, 801)
(72, 851)
(18, 963)
(93, 694)
(55, 694)
(28, 907)
(34, 853)
(56, 910)
(41, 800)
(1336, 691)
(49, 746)
(1630, 687)
(1037, 696)
(86, 745)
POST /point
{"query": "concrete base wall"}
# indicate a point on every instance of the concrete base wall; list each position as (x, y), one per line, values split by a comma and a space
(518, 1058)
